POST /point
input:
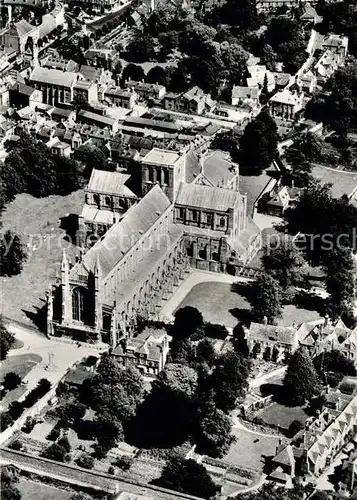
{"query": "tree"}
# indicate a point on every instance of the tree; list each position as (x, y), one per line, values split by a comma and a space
(7, 339)
(334, 361)
(187, 321)
(301, 380)
(240, 340)
(267, 354)
(340, 281)
(242, 14)
(158, 75)
(178, 379)
(141, 48)
(295, 427)
(93, 158)
(284, 263)
(187, 476)
(214, 432)
(11, 381)
(205, 352)
(256, 350)
(266, 299)
(133, 72)
(8, 481)
(71, 413)
(12, 254)
(56, 452)
(229, 380)
(85, 461)
(258, 144)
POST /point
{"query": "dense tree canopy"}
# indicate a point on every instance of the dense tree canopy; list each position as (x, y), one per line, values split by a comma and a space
(213, 436)
(266, 299)
(30, 167)
(12, 254)
(7, 339)
(301, 380)
(284, 263)
(229, 380)
(326, 222)
(336, 105)
(187, 476)
(258, 143)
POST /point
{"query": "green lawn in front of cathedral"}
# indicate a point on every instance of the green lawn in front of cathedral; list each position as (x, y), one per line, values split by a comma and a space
(37, 222)
(219, 304)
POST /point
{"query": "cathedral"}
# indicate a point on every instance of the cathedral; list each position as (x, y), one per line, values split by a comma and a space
(142, 231)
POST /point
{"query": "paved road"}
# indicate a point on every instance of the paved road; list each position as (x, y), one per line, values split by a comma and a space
(74, 475)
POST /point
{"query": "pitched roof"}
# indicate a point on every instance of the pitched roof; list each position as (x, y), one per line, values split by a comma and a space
(239, 92)
(282, 334)
(206, 197)
(23, 27)
(53, 76)
(126, 233)
(109, 183)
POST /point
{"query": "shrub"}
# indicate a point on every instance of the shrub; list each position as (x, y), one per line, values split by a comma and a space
(15, 409)
(124, 462)
(111, 470)
(29, 425)
(215, 331)
(16, 445)
(11, 381)
(54, 434)
(37, 393)
(56, 452)
(64, 443)
(85, 461)
(6, 420)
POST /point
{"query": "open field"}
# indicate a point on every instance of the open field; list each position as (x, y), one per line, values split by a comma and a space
(219, 304)
(36, 220)
(250, 449)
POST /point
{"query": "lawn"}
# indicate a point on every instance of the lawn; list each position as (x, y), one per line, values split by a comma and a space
(219, 304)
(282, 415)
(250, 449)
(22, 365)
(31, 490)
(36, 220)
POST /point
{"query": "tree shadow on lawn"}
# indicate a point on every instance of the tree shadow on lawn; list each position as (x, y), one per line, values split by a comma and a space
(69, 223)
(243, 315)
(39, 317)
(310, 302)
(278, 392)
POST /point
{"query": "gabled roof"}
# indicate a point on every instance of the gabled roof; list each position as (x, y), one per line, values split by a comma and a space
(121, 237)
(53, 76)
(281, 334)
(285, 457)
(207, 197)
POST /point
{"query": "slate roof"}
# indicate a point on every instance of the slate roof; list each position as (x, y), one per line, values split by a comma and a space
(206, 197)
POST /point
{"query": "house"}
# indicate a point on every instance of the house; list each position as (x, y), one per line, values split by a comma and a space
(102, 57)
(285, 104)
(86, 91)
(282, 80)
(21, 95)
(147, 351)
(100, 121)
(193, 101)
(314, 448)
(308, 82)
(272, 341)
(53, 62)
(59, 148)
(81, 372)
(145, 90)
(337, 44)
(115, 96)
(245, 96)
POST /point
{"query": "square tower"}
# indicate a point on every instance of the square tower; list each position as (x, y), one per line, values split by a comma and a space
(164, 167)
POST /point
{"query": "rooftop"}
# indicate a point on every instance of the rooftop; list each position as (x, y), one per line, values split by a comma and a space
(109, 183)
(53, 76)
(206, 197)
(281, 334)
(159, 156)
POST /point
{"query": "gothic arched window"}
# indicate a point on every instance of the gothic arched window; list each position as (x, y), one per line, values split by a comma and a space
(78, 303)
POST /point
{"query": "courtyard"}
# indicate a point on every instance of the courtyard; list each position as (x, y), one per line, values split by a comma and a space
(219, 303)
(36, 221)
